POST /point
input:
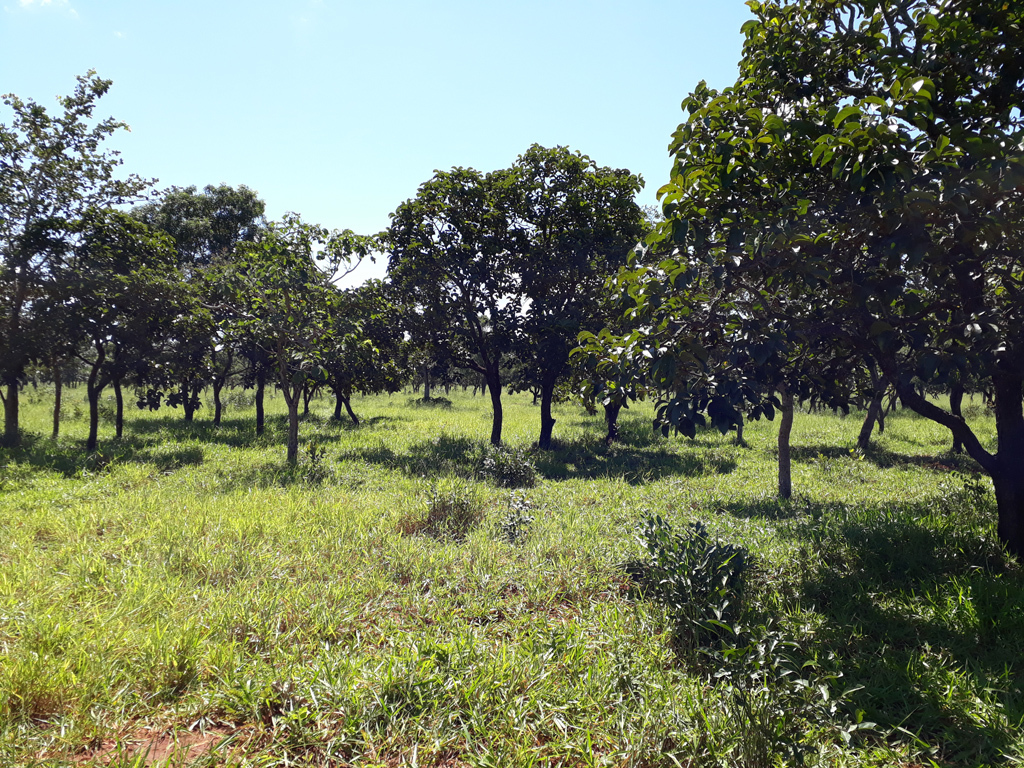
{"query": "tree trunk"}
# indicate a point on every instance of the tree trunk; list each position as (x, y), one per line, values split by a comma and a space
(1008, 470)
(12, 436)
(93, 393)
(547, 421)
(874, 414)
(956, 401)
(611, 419)
(58, 391)
(1009, 487)
(883, 412)
(494, 387)
(785, 428)
(739, 433)
(337, 407)
(293, 429)
(187, 402)
(119, 413)
(426, 384)
(93, 388)
(292, 396)
(1006, 467)
(220, 378)
(351, 413)
(261, 382)
(218, 385)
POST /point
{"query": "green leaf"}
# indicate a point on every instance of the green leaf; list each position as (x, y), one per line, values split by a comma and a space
(846, 113)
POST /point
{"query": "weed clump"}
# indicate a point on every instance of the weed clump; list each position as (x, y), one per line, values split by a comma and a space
(430, 402)
(507, 467)
(699, 580)
(515, 526)
(453, 510)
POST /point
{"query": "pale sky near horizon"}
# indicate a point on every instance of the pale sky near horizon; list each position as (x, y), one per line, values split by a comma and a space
(340, 110)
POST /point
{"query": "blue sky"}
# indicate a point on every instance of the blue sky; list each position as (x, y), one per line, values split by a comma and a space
(339, 110)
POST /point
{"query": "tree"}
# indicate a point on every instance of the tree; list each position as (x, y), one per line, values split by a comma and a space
(206, 227)
(363, 345)
(451, 264)
(282, 286)
(121, 294)
(52, 169)
(575, 223)
(861, 183)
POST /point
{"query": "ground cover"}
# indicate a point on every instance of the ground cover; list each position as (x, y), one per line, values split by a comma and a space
(183, 597)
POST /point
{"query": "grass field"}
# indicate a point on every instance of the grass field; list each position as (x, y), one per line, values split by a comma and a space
(184, 598)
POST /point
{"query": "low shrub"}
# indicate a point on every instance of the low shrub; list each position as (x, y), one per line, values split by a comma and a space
(515, 526)
(699, 580)
(507, 467)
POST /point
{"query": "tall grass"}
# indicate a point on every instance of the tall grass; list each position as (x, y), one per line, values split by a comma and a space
(370, 606)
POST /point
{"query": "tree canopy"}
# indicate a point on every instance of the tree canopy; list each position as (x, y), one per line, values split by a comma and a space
(53, 168)
(853, 196)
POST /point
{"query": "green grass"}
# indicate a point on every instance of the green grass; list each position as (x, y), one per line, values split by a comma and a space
(185, 597)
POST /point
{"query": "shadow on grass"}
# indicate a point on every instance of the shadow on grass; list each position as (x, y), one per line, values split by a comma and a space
(168, 443)
(923, 614)
(70, 459)
(884, 458)
(585, 458)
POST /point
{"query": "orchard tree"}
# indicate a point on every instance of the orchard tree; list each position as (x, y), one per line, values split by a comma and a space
(282, 288)
(574, 223)
(861, 185)
(451, 264)
(52, 169)
(363, 347)
(206, 227)
(122, 295)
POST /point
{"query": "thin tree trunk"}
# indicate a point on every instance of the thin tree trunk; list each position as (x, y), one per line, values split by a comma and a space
(739, 433)
(547, 421)
(956, 400)
(883, 412)
(351, 413)
(93, 393)
(874, 414)
(494, 387)
(58, 392)
(337, 407)
(293, 429)
(219, 380)
(12, 436)
(611, 420)
(93, 388)
(187, 402)
(119, 413)
(217, 406)
(785, 429)
(307, 395)
(292, 396)
(261, 382)
(426, 384)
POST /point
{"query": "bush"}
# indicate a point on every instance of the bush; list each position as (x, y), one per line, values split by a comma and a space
(699, 580)
(514, 527)
(507, 467)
